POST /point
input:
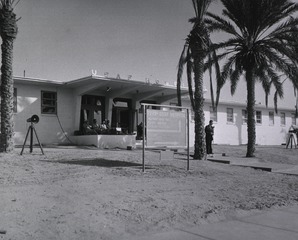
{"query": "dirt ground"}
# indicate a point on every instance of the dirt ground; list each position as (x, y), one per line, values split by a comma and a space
(86, 193)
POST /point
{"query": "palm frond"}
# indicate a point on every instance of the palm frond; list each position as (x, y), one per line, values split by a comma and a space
(219, 82)
(211, 83)
(189, 70)
(226, 68)
(284, 28)
(234, 77)
(200, 7)
(182, 61)
(217, 23)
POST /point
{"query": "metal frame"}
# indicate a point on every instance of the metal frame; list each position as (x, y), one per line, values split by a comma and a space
(144, 107)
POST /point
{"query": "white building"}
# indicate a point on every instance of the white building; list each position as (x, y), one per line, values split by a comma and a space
(63, 107)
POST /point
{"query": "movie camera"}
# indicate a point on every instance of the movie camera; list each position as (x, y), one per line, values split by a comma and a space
(33, 119)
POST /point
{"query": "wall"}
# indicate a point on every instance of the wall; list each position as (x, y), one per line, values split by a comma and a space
(236, 133)
(48, 129)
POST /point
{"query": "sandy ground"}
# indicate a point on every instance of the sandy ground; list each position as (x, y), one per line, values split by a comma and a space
(86, 193)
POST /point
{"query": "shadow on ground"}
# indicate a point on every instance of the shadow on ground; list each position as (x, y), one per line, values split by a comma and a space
(100, 162)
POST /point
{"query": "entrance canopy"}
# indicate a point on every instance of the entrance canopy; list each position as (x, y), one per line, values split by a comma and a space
(112, 87)
(121, 88)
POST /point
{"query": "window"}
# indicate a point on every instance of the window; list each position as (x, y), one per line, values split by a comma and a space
(48, 102)
(282, 118)
(259, 117)
(293, 116)
(244, 116)
(15, 100)
(213, 114)
(271, 118)
(230, 118)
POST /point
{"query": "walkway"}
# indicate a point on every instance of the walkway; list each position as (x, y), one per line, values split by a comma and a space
(256, 164)
(279, 224)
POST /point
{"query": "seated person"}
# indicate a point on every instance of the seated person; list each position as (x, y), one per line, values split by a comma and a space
(95, 125)
(107, 123)
(87, 129)
(103, 126)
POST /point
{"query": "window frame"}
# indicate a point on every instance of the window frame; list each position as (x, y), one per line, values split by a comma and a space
(271, 121)
(244, 116)
(259, 117)
(283, 119)
(230, 115)
(43, 105)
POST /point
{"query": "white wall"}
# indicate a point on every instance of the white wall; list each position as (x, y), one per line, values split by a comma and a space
(236, 133)
(48, 129)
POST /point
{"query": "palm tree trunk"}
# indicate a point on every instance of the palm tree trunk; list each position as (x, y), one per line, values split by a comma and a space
(179, 92)
(7, 124)
(8, 32)
(251, 124)
(199, 150)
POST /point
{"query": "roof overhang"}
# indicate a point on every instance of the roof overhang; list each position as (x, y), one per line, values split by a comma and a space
(112, 87)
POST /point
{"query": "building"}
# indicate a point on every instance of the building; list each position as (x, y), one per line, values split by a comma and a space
(64, 106)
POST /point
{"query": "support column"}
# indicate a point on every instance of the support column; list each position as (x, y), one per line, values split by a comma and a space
(78, 102)
(109, 109)
(134, 107)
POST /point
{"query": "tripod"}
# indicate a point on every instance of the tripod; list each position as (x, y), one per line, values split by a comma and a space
(31, 129)
(291, 140)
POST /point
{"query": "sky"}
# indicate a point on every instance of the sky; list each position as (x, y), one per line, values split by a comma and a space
(67, 39)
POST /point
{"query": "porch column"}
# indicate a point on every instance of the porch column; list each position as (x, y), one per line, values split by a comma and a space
(134, 110)
(109, 109)
(77, 114)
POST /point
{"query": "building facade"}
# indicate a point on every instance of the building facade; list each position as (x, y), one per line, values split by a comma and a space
(63, 107)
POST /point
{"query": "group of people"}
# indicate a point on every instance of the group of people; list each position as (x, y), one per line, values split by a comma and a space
(95, 128)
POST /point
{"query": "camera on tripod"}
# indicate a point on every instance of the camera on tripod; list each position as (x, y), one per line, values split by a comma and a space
(31, 130)
(33, 119)
(292, 136)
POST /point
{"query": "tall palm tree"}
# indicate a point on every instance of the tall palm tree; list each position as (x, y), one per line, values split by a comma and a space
(258, 30)
(295, 50)
(194, 52)
(8, 32)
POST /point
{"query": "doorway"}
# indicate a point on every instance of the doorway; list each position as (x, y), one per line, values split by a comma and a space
(122, 115)
(92, 107)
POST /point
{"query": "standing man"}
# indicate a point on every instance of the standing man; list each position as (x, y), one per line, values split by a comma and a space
(209, 131)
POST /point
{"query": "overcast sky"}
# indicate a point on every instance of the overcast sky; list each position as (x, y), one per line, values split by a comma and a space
(65, 39)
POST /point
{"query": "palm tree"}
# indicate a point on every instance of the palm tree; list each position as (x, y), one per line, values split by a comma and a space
(194, 52)
(258, 30)
(295, 49)
(8, 32)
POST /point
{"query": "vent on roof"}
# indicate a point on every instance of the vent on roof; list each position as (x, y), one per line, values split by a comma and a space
(93, 72)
